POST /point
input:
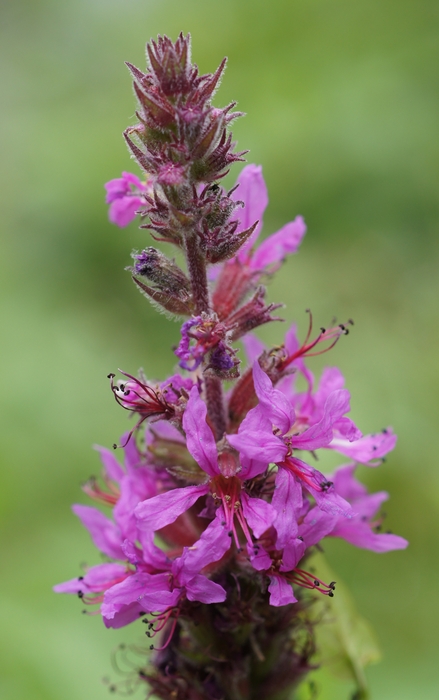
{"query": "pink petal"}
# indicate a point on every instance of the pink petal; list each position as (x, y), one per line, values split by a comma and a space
(133, 180)
(212, 545)
(104, 533)
(287, 501)
(205, 591)
(367, 448)
(153, 556)
(316, 525)
(161, 510)
(122, 211)
(346, 485)
(112, 467)
(253, 192)
(320, 434)
(360, 534)
(199, 437)
(151, 591)
(255, 422)
(275, 405)
(280, 591)
(277, 246)
(135, 487)
(260, 559)
(258, 513)
(96, 579)
(125, 616)
(292, 554)
(264, 448)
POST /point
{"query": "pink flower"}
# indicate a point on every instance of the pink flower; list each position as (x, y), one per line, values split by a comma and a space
(270, 254)
(224, 481)
(124, 194)
(258, 442)
(362, 530)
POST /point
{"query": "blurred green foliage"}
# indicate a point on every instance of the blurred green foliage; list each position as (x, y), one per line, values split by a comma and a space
(343, 105)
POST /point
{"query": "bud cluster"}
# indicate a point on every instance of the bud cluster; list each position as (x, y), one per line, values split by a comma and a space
(217, 505)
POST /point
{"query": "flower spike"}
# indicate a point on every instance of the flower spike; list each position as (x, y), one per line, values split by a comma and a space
(217, 506)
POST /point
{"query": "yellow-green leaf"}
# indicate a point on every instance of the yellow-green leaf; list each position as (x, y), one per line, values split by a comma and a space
(346, 643)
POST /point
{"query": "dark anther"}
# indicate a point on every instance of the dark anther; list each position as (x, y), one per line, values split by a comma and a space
(110, 376)
(112, 688)
(223, 522)
(323, 330)
(80, 578)
(151, 625)
(332, 585)
(230, 533)
(80, 594)
(148, 634)
(350, 321)
(239, 550)
(300, 538)
(114, 446)
(343, 328)
(142, 674)
(122, 387)
(385, 431)
(151, 646)
(84, 612)
(125, 393)
(330, 594)
(316, 583)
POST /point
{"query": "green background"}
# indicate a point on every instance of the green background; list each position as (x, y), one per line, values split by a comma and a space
(342, 106)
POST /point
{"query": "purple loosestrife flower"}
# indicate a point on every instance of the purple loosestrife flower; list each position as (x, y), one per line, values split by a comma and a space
(216, 509)
(124, 195)
(269, 434)
(224, 481)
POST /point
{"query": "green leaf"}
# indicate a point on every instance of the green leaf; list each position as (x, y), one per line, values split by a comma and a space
(346, 643)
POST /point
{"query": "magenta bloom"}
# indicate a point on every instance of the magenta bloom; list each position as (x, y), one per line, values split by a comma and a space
(269, 434)
(224, 482)
(270, 254)
(363, 530)
(124, 194)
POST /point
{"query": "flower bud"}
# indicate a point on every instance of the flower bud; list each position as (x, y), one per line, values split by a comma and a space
(172, 288)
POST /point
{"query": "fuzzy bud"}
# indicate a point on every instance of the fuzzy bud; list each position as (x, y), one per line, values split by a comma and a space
(172, 288)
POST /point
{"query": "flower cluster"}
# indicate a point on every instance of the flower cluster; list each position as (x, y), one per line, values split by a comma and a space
(218, 502)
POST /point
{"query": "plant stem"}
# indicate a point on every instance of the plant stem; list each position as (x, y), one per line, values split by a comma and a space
(196, 265)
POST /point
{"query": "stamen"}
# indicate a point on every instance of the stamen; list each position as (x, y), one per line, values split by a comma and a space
(171, 634)
(307, 580)
(332, 334)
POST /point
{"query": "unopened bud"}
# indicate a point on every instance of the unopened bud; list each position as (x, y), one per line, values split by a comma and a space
(171, 290)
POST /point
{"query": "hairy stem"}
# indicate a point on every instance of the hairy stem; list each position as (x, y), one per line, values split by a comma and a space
(196, 265)
(215, 405)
